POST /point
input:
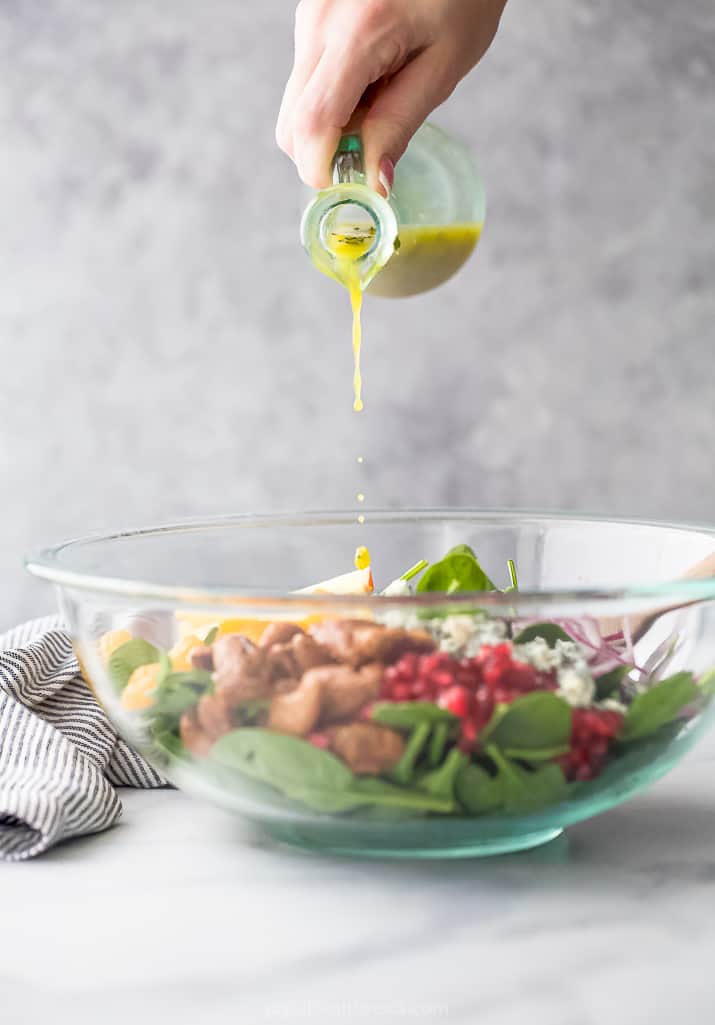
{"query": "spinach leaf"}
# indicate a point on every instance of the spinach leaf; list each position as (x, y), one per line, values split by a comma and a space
(477, 791)
(539, 721)
(312, 776)
(128, 657)
(170, 745)
(659, 705)
(441, 781)
(550, 632)
(413, 749)
(706, 684)
(609, 683)
(524, 790)
(407, 714)
(378, 792)
(290, 765)
(513, 581)
(536, 754)
(178, 692)
(459, 571)
(438, 742)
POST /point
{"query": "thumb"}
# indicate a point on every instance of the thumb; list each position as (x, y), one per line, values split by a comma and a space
(402, 105)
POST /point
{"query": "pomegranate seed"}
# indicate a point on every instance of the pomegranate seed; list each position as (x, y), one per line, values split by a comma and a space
(455, 700)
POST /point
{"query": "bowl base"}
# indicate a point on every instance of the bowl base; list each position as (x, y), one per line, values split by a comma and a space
(320, 842)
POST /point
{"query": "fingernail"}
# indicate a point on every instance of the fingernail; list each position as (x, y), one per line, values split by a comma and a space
(386, 175)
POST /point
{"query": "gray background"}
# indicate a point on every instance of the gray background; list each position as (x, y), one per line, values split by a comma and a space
(168, 350)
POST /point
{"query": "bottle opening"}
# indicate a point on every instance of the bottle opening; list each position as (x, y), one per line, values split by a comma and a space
(349, 231)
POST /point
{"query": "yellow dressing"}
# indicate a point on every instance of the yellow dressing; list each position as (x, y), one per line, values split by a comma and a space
(362, 557)
(428, 254)
(348, 247)
(356, 306)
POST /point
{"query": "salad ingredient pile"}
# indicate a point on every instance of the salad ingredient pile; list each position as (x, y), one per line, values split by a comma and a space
(421, 710)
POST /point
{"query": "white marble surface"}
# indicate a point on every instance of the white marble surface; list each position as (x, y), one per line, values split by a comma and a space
(178, 915)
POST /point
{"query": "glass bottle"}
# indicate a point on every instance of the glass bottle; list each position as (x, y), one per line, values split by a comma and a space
(410, 243)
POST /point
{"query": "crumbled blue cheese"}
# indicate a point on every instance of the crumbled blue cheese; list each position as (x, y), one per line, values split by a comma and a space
(539, 655)
(612, 705)
(464, 635)
(567, 660)
(576, 686)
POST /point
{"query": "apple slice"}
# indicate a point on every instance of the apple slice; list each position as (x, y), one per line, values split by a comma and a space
(359, 581)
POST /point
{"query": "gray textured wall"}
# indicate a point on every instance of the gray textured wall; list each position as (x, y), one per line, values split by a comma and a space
(168, 349)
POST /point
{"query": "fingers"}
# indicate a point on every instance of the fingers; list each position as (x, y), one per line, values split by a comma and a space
(341, 47)
(401, 107)
(324, 108)
(308, 47)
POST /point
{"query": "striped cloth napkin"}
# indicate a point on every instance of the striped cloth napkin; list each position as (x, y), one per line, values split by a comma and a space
(60, 757)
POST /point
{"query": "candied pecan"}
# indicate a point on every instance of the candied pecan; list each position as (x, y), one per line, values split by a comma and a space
(366, 747)
(298, 711)
(308, 653)
(201, 657)
(279, 633)
(240, 669)
(214, 714)
(357, 641)
(280, 663)
(344, 690)
(192, 735)
(292, 659)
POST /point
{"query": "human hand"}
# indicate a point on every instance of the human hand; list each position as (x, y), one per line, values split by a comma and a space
(383, 63)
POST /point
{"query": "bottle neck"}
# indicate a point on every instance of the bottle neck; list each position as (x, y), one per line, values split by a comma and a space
(348, 162)
(348, 226)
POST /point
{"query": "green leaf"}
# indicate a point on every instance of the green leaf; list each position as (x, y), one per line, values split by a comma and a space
(176, 694)
(441, 781)
(378, 792)
(164, 667)
(405, 767)
(211, 636)
(170, 745)
(438, 742)
(539, 720)
(525, 791)
(550, 632)
(408, 714)
(609, 683)
(536, 754)
(414, 570)
(514, 583)
(128, 657)
(706, 684)
(292, 766)
(313, 776)
(477, 791)
(658, 705)
(459, 571)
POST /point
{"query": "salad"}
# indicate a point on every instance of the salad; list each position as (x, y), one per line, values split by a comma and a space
(410, 711)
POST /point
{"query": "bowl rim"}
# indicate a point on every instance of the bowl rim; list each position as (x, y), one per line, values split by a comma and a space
(45, 563)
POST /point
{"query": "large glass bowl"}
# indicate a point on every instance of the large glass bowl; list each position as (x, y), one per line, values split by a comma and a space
(425, 724)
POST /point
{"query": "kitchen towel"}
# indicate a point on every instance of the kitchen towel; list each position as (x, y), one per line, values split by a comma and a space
(60, 757)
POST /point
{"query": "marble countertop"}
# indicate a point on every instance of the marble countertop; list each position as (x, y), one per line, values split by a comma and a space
(180, 915)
